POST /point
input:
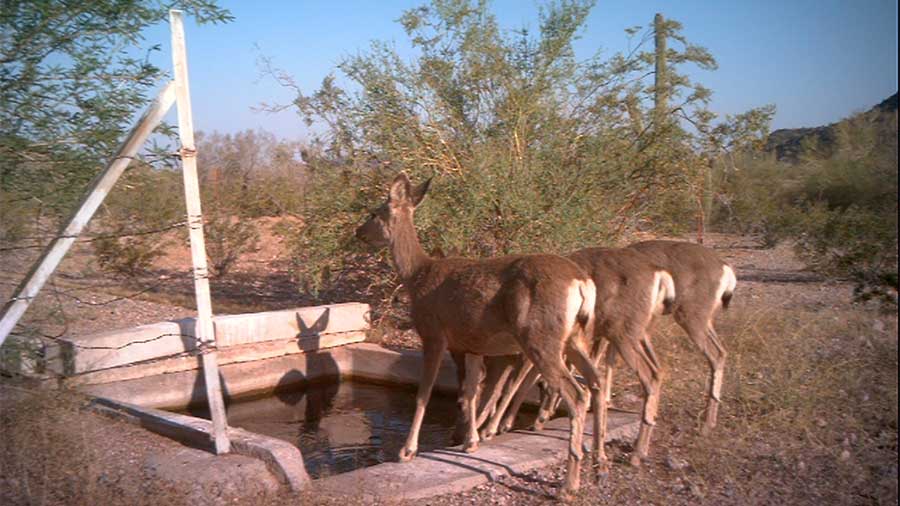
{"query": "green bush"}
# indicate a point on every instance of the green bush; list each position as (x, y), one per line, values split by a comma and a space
(840, 210)
(142, 206)
(532, 150)
(227, 239)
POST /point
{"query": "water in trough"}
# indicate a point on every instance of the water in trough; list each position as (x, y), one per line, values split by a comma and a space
(341, 426)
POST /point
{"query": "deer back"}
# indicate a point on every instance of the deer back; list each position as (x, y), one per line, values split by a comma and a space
(627, 283)
(480, 303)
(701, 277)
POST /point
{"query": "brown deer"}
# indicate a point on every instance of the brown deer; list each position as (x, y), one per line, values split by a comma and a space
(539, 305)
(631, 290)
(703, 284)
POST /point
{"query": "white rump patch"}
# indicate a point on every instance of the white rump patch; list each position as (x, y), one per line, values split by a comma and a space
(581, 294)
(663, 289)
(727, 283)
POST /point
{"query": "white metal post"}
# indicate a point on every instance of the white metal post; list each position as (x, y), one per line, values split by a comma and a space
(97, 191)
(205, 331)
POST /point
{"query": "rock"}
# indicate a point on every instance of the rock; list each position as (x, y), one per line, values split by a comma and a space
(676, 464)
(820, 422)
(845, 455)
(801, 466)
(696, 491)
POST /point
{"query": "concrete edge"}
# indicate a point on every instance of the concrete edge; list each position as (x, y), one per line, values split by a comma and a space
(234, 354)
(75, 355)
(449, 470)
(281, 458)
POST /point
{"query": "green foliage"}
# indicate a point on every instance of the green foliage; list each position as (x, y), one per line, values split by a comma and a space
(840, 209)
(72, 76)
(850, 225)
(250, 174)
(145, 203)
(531, 149)
(127, 256)
(226, 240)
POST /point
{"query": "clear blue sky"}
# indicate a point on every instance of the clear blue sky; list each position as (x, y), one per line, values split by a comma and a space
(817, 61)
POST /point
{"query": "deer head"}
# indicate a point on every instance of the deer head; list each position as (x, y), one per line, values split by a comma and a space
(381, 227)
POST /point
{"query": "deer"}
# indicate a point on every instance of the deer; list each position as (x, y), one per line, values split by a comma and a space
(537, 305)
(631, 291)
(704, 284)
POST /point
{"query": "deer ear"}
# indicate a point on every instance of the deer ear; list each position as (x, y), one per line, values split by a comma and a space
(400, 189)
(419, 192)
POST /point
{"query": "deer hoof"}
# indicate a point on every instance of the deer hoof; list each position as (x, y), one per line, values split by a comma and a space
(406, 454)
(487, 434)
(565, 496)
(470, 447)
(602, 472)
(635, 460)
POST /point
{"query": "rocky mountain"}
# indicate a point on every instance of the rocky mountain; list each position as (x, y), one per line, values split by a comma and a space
(787, 143)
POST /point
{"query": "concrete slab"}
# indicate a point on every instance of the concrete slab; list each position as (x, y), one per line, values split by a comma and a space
(73, 355)
(281, 458)
(449, 471)
(304, 322)
(76, 355)
(231, 355)
(178, 390)
(178, 383)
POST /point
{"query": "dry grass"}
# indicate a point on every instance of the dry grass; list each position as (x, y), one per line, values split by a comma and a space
(56, 451)
(812, 396)
(809, 417)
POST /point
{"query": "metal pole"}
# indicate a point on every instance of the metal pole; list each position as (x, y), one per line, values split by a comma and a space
(205, 332)
(99, 187)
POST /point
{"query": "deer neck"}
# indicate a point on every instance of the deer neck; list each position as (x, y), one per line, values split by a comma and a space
(409, 257)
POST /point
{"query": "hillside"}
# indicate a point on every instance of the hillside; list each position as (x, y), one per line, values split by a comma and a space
(787, 143)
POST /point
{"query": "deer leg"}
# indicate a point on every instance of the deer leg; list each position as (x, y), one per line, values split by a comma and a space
(489, 406)
(603, 349)
(704, 336)
(494, 423)
(558, 378)
(582, 361)
(509, 417)
(639, 355)
(717, 373)
(549, 406)
(474, 375)
(433, 350)
(459, 432)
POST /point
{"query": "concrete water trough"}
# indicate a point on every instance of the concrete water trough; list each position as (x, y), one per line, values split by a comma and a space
(298, 367)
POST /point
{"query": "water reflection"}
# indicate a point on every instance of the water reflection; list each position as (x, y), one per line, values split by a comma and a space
(344, 426)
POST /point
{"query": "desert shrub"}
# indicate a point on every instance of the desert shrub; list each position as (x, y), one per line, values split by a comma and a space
(144, 204)
(127, 256)
(840, 209)
(850, 204)
(70, 94)
(758, 196)
(530, 148)
(251, 173)
(227, 239)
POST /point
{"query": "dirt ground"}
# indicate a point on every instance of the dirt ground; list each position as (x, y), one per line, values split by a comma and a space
(809, 413)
